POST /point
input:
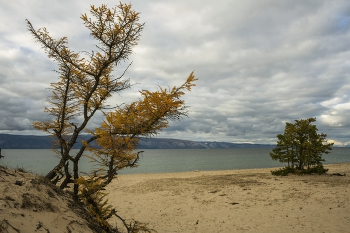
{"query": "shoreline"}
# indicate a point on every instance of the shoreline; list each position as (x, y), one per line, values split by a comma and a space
(241, 200)
(245, 170)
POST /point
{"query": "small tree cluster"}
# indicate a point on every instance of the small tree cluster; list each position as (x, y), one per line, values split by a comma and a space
(301, 147)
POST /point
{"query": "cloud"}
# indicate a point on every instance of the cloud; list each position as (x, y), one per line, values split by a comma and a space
(259, 63)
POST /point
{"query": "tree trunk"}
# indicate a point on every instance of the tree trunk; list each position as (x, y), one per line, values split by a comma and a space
(67, 180)
(76, 176)
(52, 173)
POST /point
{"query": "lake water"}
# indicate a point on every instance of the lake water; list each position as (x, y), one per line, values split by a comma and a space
(168, 160)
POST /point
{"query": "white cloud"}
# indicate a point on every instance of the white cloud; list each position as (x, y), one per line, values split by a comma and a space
(260, 63)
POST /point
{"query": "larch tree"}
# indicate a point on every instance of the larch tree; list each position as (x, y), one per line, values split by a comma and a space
(301, 147)
(85, 83)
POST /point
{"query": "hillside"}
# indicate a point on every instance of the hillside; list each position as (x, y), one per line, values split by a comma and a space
(30, 203)
(163, 143)
(9, 141)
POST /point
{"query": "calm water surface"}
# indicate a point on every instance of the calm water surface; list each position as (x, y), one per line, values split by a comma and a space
(167, 160)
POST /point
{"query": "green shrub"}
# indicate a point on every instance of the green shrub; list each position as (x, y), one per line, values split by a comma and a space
(317, 169)
(283, 171)
(287, 170)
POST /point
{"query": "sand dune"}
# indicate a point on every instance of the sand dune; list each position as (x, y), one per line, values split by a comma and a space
(32, 205)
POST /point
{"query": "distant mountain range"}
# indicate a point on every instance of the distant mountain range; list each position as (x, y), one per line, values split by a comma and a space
(164, 143)
(9, 141)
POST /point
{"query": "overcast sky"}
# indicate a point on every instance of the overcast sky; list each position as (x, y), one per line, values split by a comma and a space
(259, 63)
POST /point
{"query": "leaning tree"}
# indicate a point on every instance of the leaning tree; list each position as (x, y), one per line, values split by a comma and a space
(85, 83)
(301, 147)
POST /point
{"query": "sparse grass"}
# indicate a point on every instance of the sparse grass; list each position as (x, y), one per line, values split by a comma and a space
(4, 225)
(26, 201)
(50, 207)
(4, 169)
(30, 201)
(50, 193)
(39, 181)
(9, 199)
(21, 169)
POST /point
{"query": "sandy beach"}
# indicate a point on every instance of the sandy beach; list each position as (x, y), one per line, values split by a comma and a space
(199, 201)
(236, 201)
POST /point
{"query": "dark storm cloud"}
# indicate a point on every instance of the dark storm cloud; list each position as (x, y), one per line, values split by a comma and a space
(260, 64)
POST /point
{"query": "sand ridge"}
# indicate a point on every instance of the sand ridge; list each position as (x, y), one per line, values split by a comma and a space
(28, 203)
